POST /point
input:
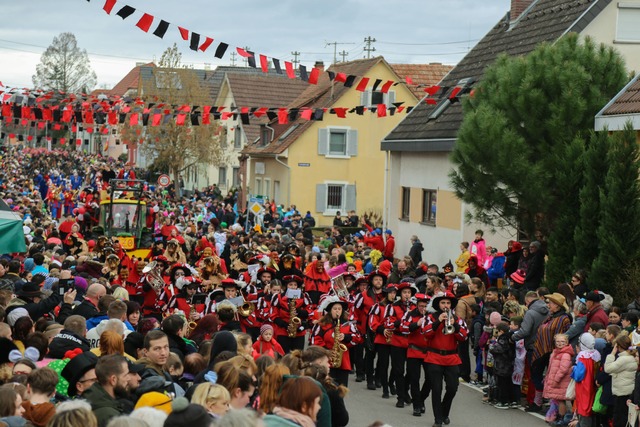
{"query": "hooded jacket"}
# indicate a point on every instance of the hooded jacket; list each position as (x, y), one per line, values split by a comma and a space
(623, 373)
(416, 252)
(103, 405)
(65, 341)
(558, 375)
(533, 318)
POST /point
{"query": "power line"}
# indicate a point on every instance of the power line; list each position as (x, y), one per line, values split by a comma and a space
(423, 54)
(369, 49)
(429, 44)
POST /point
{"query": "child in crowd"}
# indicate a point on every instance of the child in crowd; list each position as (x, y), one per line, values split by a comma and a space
(213, 397)
(492, 318)
(583, 374)
(558, 377)
(266, 345)
(503, 356)
(518, 363)
(475, 333)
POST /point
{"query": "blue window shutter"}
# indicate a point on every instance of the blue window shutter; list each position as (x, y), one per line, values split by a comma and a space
(321, 197)
(350, 203)
(352, 142)
(323, 141)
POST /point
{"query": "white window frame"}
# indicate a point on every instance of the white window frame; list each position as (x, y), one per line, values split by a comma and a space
(633, 8)
(343, 131)
(266, 182)
(237, 137)
(332, 211)
(258, 189)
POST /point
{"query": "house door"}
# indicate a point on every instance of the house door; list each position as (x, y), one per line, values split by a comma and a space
(276, 192)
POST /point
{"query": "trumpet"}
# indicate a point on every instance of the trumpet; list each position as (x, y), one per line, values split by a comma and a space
(448, 326)
(246, 308)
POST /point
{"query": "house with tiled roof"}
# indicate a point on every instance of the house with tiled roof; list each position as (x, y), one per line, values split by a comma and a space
(422, 75)
(622, 109)
(243, 89)
(422, 201)
(330, 164)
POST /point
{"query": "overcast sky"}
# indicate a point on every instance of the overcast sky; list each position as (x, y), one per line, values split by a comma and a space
(406, 31)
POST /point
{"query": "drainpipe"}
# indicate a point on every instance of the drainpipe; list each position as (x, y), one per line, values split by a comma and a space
(288, 178)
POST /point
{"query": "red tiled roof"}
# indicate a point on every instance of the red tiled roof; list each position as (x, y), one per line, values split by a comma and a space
(422, 75)
(627, 102)
(262, 91)
(130, 81)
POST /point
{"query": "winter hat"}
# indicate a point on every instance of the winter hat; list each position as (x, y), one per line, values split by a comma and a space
(188, 415)
(518, 276)
(495, 318)
(595, 296)
(29, 265)
(265, 327)
(157, 400)
(587, 342)
(16, 314)
(80, 283)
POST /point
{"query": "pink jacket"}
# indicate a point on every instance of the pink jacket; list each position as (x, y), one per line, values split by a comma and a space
(479, 249)
(559, 373)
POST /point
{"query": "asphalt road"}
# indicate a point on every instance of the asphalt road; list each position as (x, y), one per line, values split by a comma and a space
(366, 406)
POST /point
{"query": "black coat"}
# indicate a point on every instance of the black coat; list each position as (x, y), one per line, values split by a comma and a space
(503, 352)
(416, 252)
(535, 271)
(65, 341)
(86, 309)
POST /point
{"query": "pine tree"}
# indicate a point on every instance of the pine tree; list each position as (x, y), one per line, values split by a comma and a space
(524, 113)
(558, 268)
(588, 217)
(619, 230)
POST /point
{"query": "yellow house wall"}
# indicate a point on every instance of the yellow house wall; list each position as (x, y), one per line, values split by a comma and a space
(273, 171)
(603, 30)
(366, 170)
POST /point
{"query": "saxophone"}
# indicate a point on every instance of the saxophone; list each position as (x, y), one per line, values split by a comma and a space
(338, 348)
(294, 321)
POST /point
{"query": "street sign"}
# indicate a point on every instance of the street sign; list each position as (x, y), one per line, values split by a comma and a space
(164, 180)
(256, 208)
(304, 165)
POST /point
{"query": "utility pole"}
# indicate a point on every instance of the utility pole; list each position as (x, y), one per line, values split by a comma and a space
(369, 49)
(233, 59)
(344, 55)
(246, 60)
(335, 50)
(295, 60)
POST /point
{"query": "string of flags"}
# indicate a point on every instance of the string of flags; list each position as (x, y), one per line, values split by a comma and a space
(202, 43)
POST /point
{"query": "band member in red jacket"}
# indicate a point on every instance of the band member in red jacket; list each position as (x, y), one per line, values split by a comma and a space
(324, 335)
(317, 281)
(382, 340)
(363, 304)
(183, 301)
(444, 332)
(394, 314)
(290, 335)
(414, 324)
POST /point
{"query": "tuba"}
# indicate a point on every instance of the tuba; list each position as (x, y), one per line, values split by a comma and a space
(246, 308)
(338, 348)
(153, 277)
(294, 321)
(340, 288)
(448, 325)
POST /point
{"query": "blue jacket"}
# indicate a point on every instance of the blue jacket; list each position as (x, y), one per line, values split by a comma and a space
(496, 271)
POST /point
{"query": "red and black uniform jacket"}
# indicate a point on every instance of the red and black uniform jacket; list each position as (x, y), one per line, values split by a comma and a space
(181, 302)
(314, 281)
(363, 304)
(253, 295)
(443, 349)
(378, 322)
(394, 314)
(414, 327)
(279, 315)
(322, 335)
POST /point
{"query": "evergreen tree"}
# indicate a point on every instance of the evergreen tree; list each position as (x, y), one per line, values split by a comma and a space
(560, 244)
(517, 125)
(619, 229)
(588, 218)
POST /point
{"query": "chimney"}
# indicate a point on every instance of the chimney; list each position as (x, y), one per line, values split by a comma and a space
(319, 65)
(517, 7)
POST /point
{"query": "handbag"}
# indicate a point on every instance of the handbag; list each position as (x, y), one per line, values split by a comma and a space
(571, 390)
(598, 407)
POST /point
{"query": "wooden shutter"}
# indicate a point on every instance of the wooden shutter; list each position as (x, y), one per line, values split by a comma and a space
(352, 142)
(365, 97)
(323, 141)
(321, 197)
(350, 202)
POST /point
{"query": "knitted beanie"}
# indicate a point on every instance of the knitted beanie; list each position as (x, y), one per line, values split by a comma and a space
(495, 318)
(265, 327)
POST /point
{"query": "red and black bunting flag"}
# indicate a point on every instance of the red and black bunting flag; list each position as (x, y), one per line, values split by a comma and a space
(184, 33)
(126, 11)
(243, 53)
(289, 67)
(303, 73)
(276, 65)
(195, 41)
(220, 50)
(205, 45)
(161, 29)
(108, 6)
(264, 64)
(145, 22)
(362, 86)
(350, 80)
(385, 88)
(313, 77)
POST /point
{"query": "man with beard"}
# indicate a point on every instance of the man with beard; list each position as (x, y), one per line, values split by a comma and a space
(112, 373)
